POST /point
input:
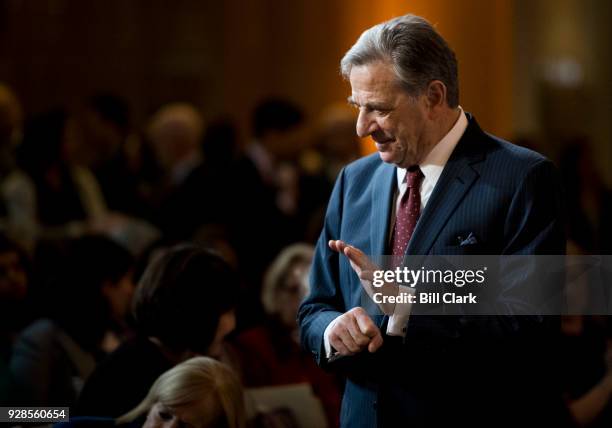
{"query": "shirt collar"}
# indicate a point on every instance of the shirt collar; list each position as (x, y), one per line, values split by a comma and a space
(435, 161)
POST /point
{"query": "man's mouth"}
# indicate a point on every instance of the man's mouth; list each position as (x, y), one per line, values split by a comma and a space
(383, 145)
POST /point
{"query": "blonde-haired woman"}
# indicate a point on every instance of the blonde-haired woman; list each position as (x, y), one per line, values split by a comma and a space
(198, 393)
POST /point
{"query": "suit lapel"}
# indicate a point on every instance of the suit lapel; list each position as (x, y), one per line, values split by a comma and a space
(456, 179)
(383, 189)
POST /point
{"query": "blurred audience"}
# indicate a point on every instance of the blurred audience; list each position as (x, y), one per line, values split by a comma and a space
(183, 306)
(585, 346)
(76, 331)
(270, 353)
(14, 284)
(265, 193)
(220, 145)
(106, 132)
(265, 174)
(188, 195)
(336, 139)
(588, 201)
(587, 380)
(14, 311)
(82, 304)
(335, 145)
(17, 192)
(68, 197)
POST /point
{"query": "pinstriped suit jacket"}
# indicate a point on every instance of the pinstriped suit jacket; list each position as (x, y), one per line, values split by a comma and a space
(507, 196)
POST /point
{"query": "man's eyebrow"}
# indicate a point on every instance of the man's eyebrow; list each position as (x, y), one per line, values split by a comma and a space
(370, 105)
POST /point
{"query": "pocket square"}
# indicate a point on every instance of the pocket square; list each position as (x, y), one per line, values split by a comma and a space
(470, 240)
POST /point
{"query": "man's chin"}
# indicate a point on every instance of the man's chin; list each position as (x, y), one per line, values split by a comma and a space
(391, 157)
(387, 157)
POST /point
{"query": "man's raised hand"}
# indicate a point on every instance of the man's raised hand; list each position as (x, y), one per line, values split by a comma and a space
(365, 268)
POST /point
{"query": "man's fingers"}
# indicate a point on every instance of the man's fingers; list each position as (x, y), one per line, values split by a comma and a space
(366, 275)
(353, 328)
(335, 341)
(368, 328)
(348, 342)
(354, 332)
(355, 255)
(358, 257)
(365, 323)
(337, 245)
(375, 343)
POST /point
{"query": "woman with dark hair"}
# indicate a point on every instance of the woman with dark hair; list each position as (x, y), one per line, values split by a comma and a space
(183, 307)
(54, 355)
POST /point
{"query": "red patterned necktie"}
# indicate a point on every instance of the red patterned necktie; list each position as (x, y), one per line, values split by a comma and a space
(408, 211)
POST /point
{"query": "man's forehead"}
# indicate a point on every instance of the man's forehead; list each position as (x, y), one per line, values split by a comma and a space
(376, 80)
(374, 74)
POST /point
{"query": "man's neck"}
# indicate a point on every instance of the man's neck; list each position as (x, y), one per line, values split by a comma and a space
(442, 126)
(446, 123)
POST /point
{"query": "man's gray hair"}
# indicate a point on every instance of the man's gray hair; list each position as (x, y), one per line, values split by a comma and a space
(414, 48)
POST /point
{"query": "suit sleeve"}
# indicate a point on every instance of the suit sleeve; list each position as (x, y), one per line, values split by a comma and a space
(324, 302)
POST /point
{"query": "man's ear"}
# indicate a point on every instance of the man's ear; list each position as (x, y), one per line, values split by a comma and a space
(435, 95)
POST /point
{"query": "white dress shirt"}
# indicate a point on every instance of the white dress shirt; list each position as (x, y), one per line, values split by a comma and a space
(431, 167)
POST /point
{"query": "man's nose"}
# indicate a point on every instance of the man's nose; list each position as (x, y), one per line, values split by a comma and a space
(365, 125)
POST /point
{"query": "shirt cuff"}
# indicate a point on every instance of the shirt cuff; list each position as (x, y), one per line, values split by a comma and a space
(329, 351)
(398, 321)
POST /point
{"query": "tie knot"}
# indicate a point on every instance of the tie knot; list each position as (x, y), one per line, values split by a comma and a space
(414, 176)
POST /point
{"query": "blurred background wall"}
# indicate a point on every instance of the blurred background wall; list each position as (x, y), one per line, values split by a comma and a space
(536, 70)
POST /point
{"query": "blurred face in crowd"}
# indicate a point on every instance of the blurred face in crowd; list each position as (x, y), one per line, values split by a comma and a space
(76, 147)
(103, 138)
(227, 324)
(198, 415)
(13, 278)
(119, 296)
(286, 145)
(291, 293)
(395, 121)
(339, 139)
(175, 132)
(172, 144)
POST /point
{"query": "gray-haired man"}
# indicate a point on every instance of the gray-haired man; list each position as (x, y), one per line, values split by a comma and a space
(436, 177)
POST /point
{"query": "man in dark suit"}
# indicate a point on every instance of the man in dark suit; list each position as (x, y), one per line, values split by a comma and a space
(438, 185)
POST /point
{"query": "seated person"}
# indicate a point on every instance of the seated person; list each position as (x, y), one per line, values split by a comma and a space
(14, 313)
(270, 353)
(183, 307)
(200, 392)
(54, 355)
